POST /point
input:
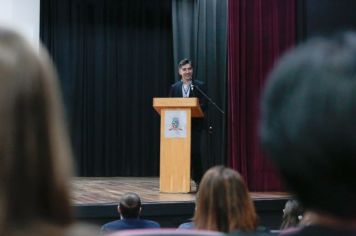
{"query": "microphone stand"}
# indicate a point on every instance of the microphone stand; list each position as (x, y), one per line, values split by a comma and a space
(208, 98)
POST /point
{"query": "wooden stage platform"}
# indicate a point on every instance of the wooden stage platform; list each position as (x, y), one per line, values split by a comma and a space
(95, 200)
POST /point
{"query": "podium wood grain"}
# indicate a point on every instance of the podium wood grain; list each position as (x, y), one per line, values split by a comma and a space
(175, 158)
(175, 152)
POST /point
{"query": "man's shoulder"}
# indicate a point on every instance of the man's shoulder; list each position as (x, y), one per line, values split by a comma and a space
(142, 223)
(112, 225)
(198, 82)
(150, 222)
(187, 225)
(114, 222)
(129, 224)
(175, 89)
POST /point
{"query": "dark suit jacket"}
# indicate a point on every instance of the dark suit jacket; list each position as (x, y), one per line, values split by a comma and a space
(176, 91)
(128, 224)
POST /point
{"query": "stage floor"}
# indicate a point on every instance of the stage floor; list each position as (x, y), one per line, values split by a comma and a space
(95, 200)
(108, 190)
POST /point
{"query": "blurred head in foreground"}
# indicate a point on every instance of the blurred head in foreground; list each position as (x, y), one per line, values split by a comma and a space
(308, 125)
(34, 151)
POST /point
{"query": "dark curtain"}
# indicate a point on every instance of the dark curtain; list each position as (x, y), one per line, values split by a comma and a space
(258, 32)
(184, 27)
(327, 19)
(200, 33)
(113, 57)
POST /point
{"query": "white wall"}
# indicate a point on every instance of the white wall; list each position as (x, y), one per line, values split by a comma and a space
(23, 16)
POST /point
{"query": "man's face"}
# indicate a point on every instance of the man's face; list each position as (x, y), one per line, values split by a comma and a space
(186, 72)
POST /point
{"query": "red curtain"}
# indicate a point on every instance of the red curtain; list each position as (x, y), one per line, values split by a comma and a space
(259, 31)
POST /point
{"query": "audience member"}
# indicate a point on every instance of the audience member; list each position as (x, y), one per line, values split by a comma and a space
(187, 225)
(166, 232)
(129, 210)
(292, 214)
(308, 129)
(35, 163)
(223, 202)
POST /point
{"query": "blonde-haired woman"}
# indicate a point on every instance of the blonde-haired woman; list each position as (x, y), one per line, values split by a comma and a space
(223, 202)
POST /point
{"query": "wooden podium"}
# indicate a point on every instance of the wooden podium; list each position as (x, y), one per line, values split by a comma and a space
(176, 114)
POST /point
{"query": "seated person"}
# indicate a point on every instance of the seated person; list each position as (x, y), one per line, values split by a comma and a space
(308, 129)
(187, 225)
(129, 209)
(292, 214)
(224, 203)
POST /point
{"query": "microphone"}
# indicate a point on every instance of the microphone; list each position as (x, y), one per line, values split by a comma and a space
(191, 86)
(207, 97)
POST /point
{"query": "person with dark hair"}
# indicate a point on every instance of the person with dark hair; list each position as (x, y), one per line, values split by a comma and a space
(292, 214)
(223, 203)
(187, 87)
(35, 155)
(308, 130)
(129, 209)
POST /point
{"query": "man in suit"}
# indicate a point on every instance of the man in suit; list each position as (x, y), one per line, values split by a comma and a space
(129, 209)
(187, 87)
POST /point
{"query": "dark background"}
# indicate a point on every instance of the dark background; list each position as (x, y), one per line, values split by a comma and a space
(324, 18)
(113, 57)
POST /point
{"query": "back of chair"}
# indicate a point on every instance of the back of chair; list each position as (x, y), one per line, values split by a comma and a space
(166, 232)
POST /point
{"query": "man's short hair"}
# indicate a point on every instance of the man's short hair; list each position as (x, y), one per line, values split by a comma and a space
(184, 62)
(130, 205)
(308, 125)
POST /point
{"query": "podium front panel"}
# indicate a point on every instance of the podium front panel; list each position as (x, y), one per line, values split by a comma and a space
(175, 150)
